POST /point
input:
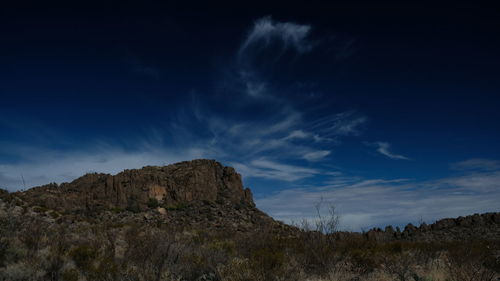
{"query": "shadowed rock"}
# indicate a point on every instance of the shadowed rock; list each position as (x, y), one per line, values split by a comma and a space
(478, 226)
(185, 182)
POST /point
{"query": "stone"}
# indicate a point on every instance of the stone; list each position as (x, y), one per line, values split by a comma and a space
(173, 185)
(161, 210)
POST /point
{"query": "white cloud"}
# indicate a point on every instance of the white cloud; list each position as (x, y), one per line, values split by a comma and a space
(253, 85)
(268, 169)
(316, 155)
(476, 164)
(44, 166)
(348, 127)
(384, 149)
(281, 132)
(277, 170)
(256, 89)
(340, 124)
(284, 135)
(297, 134)
(363, 204)
(265, 30)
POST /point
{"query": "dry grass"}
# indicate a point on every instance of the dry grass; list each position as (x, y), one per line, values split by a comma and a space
(34, 247)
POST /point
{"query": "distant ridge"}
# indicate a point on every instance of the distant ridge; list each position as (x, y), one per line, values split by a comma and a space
(478, 226)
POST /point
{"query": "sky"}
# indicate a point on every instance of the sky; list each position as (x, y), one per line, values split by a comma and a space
(387, 111)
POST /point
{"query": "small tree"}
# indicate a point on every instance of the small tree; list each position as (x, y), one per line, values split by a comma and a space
(318, 238)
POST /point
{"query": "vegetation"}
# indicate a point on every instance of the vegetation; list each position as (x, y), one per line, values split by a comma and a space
(34, 246)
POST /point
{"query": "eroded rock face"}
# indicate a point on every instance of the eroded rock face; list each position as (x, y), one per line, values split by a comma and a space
(138, 189)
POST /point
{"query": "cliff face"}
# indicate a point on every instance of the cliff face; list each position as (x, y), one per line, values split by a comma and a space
(172, 185)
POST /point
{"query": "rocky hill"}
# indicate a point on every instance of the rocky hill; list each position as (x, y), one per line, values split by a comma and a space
(194, 221)
(196, 194)
(474, 227)
(205, 193)
(182, 183)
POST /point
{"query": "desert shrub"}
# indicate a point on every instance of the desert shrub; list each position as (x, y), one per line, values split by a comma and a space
(134, 208)
(193, 264)
(21, 271)
(473, 261)
(83, 256)
(315, 246)
(32, 235)
(53, 214)
(363, 260)
(53, 267)
(268, 263)
(225, 246)
(40, 209)
(238, 269)
(399, 265)
(152, 251)
(6, 196)
(316, 250)
(70, 274)
(153, 203)
(106, 269)
(8, 227)
(177, 207)
(116, 210)
(202, 251)
(4, 246)
(60, 244)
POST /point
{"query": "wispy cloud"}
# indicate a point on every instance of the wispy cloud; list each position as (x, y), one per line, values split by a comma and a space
(316, 155)
(297, 134)
(263, 48)
(384, 148)
(268, 169)
(340, 124)
(43, 165)
(266, 30)
(263, 142)
(368, 203)
(479, 164)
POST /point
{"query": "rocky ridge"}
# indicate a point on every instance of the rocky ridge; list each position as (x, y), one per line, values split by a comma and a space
(478, 226)
(137, 190)
(201, 194)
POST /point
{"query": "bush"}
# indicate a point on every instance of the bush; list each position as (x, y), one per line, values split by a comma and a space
(70, 275)
(83, 256)
(473, 261)
(153, 203)
(33, 235)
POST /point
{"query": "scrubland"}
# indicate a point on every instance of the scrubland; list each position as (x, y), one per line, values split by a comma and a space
(41, 244)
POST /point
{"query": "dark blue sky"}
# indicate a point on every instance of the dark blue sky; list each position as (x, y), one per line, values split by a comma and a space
(389, 111)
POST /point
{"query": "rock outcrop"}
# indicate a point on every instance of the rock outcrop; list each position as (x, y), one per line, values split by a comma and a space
(140, 189)
(478, 226)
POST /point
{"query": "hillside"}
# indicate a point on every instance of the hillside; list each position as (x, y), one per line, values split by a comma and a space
(190, 194)
(194, 220)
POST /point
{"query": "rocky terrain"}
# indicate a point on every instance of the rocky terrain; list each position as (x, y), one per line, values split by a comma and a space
(195, 221)
(198, 193)
(205, 193)
(475, 227)
(172, 185)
